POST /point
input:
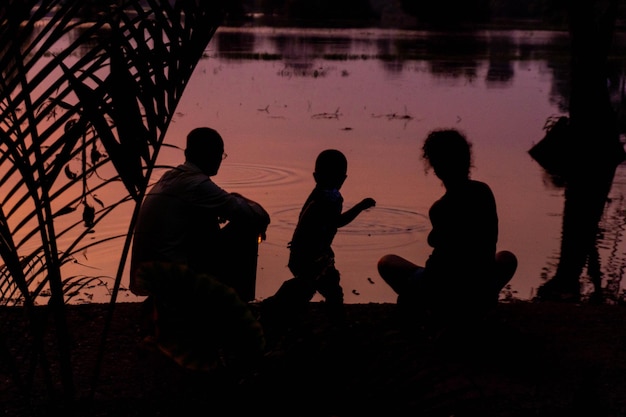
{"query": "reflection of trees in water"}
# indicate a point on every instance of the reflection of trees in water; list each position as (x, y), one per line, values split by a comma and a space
(454, 69)
(393, 62)
(501, 71)
(234, 42)
(615, 68)
(617, 91)
(467, 45)
(456, 55)
(89, 38)
(610, 240)
(447, 55)
(311, 47)
(559, 90)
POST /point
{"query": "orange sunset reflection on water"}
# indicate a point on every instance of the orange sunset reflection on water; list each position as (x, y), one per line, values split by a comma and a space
(279, 97)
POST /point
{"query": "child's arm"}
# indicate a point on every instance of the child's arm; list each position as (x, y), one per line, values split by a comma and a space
(350, 214)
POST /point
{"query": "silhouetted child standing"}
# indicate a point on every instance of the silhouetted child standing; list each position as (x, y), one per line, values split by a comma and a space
(311, 259)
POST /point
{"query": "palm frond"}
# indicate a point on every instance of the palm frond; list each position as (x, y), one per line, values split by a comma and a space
(83, 92)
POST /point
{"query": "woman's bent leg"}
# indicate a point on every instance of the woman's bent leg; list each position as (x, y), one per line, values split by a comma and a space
(396, 271)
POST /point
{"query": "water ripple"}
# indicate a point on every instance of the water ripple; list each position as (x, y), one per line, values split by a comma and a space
(379, 227)
(237, 175)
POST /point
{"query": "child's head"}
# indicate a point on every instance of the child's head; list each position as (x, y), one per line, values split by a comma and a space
(449, 153)
(331, 167)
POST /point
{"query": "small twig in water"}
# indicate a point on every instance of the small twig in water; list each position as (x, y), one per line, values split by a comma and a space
(325, 115)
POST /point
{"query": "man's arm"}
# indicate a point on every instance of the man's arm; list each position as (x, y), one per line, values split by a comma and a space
(251, 211)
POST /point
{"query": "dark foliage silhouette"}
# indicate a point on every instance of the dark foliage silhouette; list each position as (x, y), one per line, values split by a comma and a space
(87, 92)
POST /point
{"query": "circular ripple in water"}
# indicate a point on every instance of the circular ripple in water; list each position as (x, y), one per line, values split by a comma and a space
(236, 175)
(378, 227)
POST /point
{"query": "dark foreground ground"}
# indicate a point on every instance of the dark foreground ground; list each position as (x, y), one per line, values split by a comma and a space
(527, 359)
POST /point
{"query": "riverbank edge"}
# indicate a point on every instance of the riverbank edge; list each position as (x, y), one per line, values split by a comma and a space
(525, 359)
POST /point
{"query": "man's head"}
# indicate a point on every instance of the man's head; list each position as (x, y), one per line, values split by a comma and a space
(205, 149)
(331, 167)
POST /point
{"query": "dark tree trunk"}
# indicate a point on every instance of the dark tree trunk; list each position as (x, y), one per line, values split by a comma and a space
(594, 150)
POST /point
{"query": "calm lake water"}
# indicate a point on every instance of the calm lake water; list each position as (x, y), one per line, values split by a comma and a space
(280, 96)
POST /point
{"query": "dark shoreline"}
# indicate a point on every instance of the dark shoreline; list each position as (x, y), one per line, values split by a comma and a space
(526, 359)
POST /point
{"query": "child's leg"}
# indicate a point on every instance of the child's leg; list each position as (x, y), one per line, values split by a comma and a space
(286, 307)
(294, 292)
(327, 284)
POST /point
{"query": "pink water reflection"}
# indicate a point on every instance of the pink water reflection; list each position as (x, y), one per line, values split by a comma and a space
(277, 113)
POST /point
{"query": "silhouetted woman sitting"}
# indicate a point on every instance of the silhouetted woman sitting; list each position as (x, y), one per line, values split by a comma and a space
(462, 278)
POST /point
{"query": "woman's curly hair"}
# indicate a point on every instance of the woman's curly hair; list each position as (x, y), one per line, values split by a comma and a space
(447, 147)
